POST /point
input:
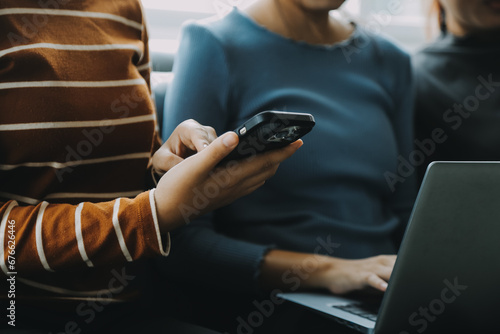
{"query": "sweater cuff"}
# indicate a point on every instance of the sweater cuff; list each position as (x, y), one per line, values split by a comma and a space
(163, 243)
(245, 261)
(153, 241)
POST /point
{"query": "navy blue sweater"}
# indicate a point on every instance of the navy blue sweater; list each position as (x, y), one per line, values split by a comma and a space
(333, 196)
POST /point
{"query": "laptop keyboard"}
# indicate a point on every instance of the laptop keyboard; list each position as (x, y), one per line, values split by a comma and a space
(365, 310)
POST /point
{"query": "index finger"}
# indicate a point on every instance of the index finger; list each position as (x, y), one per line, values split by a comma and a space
(206, 137)
(197, 136)
(376, 282)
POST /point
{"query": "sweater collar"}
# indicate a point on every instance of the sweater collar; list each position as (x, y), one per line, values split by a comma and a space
(468, 41)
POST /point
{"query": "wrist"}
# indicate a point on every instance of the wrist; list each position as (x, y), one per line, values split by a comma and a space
(168, 220)
(319, 278)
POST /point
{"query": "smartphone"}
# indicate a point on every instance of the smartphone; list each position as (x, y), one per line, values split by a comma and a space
(269, 130)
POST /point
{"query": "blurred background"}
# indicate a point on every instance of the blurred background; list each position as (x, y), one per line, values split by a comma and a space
(403, 20)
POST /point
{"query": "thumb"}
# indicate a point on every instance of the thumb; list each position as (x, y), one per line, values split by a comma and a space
(216, 151)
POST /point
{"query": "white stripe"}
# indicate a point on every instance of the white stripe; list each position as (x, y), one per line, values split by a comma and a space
(72, 84)
(152, 203)
(64, 291)
(79, 236)
(95, 195)
(27, 200)
(144, 67)
(118, 230)
(3, 227)
(39, 241)
(59, 165)
(77, 124)
(76, 13)
(71, 47)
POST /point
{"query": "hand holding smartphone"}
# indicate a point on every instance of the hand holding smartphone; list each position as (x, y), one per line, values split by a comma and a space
(269, 130)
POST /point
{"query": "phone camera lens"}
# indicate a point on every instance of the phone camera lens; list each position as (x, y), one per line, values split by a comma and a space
(287, 134)
(282, 135)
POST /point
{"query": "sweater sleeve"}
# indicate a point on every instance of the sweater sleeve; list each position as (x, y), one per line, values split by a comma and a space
(200, 90)
(403, 187)
(56, 237)
(224, 263)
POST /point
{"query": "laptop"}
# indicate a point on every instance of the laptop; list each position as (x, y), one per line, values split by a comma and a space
(447, 275)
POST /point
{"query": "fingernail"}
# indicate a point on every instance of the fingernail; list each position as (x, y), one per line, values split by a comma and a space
(383, 285)
(230, 140)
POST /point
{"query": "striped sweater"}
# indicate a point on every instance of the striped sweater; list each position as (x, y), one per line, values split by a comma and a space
(77, 129)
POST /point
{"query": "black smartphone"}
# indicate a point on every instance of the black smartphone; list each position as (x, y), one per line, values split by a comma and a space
(269, 130)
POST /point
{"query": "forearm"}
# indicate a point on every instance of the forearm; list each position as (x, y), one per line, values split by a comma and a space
(62, 236)
(291, 271)
(205, 257)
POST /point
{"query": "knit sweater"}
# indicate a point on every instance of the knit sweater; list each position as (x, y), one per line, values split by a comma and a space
(332, 196)
(77, 129)
(458, 96)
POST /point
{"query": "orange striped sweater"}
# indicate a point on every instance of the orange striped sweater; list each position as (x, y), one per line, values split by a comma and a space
(77, 129)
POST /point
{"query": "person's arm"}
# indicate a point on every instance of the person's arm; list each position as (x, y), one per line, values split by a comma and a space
(403, 187)
(54, 237)
(179, 191)
(201, 86)
(291, 271)
(200, 90)
(60, 236)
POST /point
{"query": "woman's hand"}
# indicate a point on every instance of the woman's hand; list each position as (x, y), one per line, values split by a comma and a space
(298, 271)
(188, 138)
(342, 276)
(196, 185)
